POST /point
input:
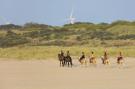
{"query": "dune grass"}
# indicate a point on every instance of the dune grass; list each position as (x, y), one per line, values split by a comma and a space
(50, 52)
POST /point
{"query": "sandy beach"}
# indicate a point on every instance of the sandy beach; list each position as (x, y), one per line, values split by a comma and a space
(46, 74)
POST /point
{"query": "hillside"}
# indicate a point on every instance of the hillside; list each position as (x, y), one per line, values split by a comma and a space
(119, 33)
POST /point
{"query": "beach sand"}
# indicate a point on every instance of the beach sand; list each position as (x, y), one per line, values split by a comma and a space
(47, 74)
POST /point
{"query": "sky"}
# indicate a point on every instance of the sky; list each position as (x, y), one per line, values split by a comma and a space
(56, 12)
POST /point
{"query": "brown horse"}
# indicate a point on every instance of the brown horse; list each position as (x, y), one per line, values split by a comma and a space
(82, 59)
(105, 59)
(68, 61)
(92, 59)
(65, 60)
(120, 59)
(61, 59)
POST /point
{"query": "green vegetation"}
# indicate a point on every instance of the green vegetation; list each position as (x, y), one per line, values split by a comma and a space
(102, 34)
(40, 41)
(48, 52)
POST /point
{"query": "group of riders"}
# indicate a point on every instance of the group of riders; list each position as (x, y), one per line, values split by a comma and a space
(67, 60)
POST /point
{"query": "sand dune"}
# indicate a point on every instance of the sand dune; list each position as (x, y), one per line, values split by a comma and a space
(40, 74)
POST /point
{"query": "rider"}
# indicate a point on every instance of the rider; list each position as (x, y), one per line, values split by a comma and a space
(82, 57)
(105, 59)
(62, 53)
(120, 57)
(92, 58)
(105, 55)
(68, 54)
(92, 54)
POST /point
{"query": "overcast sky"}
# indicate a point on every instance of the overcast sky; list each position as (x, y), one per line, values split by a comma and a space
(55, 12)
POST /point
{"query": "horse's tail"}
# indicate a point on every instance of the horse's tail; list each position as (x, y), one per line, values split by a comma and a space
(102, 58)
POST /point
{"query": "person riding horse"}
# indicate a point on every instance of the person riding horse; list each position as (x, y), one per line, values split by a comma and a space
(92, 58)
(68, 59)
(82, 58)
(68, 54)
(62, 53)
(65, 60)
(105, 58)
(61, 58)
(120, 58)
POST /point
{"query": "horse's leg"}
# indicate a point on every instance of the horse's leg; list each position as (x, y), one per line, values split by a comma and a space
(65, 62)
(102, 61)
(105, 61)
(90, 61)
(71, 63)
(108, 62)
(95, 61)
(117, 62)
(120, 60)
(60, 63)
(68, 64)
(85, 62)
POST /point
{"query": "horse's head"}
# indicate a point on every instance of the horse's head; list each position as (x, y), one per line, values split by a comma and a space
(59, 55)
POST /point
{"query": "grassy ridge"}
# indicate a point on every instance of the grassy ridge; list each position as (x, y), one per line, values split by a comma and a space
(46, 52)
(80, 33)
(40, 41)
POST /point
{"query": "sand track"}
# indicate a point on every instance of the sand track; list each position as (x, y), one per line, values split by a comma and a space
(48, 75)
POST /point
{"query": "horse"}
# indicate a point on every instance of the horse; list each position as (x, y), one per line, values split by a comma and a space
(65, 60)
(68, 61)
(83, 61)
(61, 59)
(92, 60)
(120, 60)
(104, 60)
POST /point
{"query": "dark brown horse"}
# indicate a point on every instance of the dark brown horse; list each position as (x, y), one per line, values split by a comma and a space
(82, 59)
(65, 60)
(61, 59)
(120, 59)
(68, 61)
